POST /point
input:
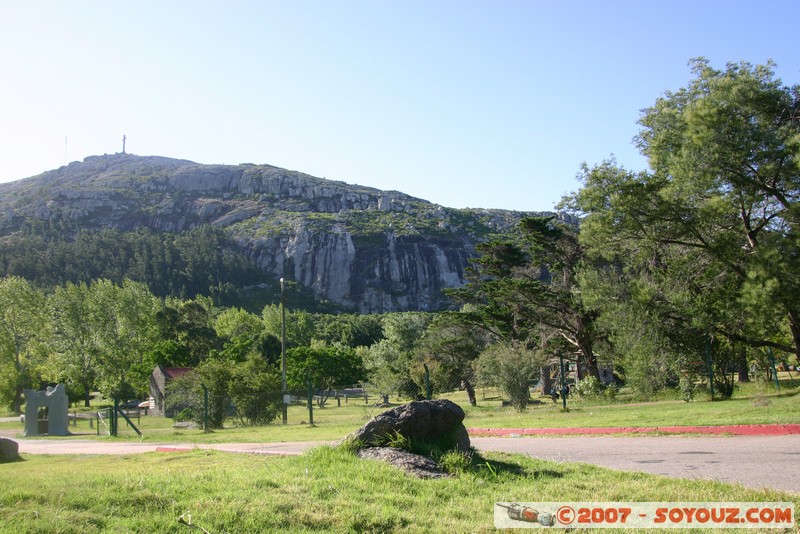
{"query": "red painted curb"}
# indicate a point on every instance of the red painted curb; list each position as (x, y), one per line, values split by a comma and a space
(736, 430)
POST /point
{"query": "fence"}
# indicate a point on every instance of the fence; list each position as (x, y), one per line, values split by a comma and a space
(108, 420)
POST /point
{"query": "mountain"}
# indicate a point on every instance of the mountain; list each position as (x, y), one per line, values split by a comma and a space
(359, 248)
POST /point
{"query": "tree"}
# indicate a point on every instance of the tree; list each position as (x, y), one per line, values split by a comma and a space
(712, 228)
(327, 367)
(389, 362)
(348, 329)
(511, 367)
(22, 322)
(240, 332)
(299, 325)
(528, 291)
(453, 344)
(124, 318)
(255, 389)
(186, 332)
(73, 339)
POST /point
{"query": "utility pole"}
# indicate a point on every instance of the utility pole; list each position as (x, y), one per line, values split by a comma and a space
(284, 393)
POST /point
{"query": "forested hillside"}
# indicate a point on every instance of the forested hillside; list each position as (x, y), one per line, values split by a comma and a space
(184, 229)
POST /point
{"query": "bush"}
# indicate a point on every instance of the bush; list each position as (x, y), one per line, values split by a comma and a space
(249, 391)
(589, 387)
(510, 367)
(186, 396)
(687, 387)
(255, 390)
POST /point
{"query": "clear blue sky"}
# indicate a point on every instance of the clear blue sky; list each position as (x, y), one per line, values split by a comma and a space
(489, 104)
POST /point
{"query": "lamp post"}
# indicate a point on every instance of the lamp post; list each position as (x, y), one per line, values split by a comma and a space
(284, 393)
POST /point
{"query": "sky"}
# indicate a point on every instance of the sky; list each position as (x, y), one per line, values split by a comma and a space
(490, 104)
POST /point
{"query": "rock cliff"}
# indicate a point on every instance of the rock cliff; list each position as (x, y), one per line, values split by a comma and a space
(361, 248)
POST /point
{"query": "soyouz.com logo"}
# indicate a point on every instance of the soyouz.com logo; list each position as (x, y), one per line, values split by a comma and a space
(644, 515)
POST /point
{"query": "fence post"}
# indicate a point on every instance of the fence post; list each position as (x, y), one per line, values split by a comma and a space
(114, 418)
(310, 402)
(428, 393)
(205, 408)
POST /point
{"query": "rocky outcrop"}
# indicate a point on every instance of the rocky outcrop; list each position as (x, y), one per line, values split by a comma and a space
(436, 423)
(358, 247)
(394, 273)
(413, 464)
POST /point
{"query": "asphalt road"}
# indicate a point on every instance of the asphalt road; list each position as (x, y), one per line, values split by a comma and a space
(753, 461)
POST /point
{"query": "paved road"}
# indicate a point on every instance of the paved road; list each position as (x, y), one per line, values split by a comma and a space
(754, 461)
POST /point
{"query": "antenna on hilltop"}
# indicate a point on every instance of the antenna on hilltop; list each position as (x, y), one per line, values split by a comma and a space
(123, 143)
(66, 138)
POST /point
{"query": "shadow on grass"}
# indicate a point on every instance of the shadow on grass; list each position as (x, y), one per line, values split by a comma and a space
(500, 467)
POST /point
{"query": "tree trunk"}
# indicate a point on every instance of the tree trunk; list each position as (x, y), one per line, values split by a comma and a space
(467, 385)
(588, 356)
(741, 363)
(584, 340)
(546, 380)
(87, 395)
(16, 406)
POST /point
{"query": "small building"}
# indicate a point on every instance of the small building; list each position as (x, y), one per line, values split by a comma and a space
(159, 379)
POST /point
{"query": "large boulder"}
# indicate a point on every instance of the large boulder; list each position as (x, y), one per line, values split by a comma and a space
(429, 423)
(9, 450)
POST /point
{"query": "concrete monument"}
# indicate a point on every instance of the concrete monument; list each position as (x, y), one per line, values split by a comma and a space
(54, 403)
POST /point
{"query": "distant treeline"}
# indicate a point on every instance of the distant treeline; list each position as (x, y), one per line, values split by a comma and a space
(202, 261)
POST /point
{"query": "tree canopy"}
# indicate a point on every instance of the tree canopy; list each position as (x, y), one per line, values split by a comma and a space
(707, 238)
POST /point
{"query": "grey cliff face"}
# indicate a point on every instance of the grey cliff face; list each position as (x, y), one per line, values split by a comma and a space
(359, 247)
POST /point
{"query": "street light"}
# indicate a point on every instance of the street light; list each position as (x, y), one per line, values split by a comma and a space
(284, 393)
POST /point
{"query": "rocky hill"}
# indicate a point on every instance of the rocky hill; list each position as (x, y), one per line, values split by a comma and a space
(361, 248)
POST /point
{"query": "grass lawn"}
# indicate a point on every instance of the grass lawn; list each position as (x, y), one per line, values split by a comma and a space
(325, 490)
(752, 404)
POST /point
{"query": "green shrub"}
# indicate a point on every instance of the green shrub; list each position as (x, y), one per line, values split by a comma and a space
(510, 367)
(255, 389)
(589, 387)
(686, 386)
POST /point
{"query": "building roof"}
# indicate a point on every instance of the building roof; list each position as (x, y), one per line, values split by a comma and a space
(175, 372)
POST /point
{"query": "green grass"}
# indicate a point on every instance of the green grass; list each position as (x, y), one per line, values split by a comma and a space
(758, 409)
(325, 490)
(753, 404)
